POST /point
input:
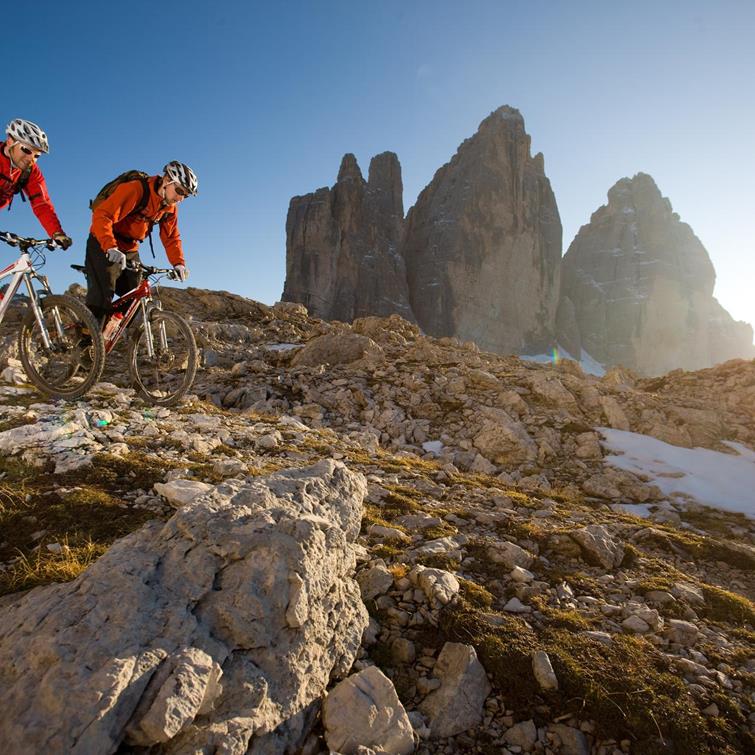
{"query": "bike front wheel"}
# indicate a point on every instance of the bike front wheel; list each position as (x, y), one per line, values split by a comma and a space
(165, 377)
(74, 360)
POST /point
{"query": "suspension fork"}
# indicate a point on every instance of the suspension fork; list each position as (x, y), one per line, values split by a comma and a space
(34, 299)
(148, 306)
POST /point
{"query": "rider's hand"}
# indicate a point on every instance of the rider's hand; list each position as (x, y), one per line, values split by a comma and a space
(116, 257)
(182, 272)
(62, 239)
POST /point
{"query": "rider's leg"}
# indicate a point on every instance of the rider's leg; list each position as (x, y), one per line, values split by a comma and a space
(101, 279)
(128, 279)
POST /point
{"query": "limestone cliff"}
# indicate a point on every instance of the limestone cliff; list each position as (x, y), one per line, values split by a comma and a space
(639, 284)
(342, 244)
(483, 243)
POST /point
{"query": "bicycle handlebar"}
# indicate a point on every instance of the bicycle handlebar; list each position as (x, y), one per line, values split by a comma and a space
(13, 239)
(149, 270)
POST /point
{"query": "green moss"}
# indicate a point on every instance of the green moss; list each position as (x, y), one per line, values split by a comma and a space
(386, 551)
(441, 530)
(397, 504)
(439, 561)
(476, 595)
(626, 687)
(707, 548)
(728, 607)
(567, 619)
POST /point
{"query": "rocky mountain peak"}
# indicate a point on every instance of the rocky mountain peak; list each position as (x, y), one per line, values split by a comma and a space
(342, 244)
(483, 243)
(349, 170)
(638, 284)
(385, 176)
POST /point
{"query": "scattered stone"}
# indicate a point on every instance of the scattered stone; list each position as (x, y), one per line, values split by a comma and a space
(457, 704)
(364, 710)
(543, 670)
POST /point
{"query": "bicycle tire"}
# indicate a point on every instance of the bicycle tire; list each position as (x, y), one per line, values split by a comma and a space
(166, 378)
(76, 360)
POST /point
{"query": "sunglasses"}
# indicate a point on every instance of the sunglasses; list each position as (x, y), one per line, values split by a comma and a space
(28, 151)
(181, 191)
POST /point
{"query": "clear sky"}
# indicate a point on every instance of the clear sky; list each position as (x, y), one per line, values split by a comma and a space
(263, 99)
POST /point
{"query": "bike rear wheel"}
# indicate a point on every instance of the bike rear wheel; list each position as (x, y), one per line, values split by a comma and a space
(74, 361)
(164, 378)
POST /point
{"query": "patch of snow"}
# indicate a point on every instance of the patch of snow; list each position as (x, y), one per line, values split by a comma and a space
(589, 365)
(721, 480)
(282, 346)
(643, 510)
(433, 447)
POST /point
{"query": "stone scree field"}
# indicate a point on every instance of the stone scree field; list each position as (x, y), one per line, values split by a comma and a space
(360, 539)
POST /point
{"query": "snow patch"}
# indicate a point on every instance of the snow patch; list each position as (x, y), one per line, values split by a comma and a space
(282, 346)
(433, 447)
(721, 480)
(589, 365)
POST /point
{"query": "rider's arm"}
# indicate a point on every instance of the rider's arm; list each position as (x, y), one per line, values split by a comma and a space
(171, 239)
(120, 203)
(36, 190)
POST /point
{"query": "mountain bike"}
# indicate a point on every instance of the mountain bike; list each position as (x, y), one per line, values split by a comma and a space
(162, 352)
(60, 347)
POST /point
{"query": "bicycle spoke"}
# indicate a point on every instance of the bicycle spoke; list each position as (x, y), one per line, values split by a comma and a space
(167, 375)
(72, 361)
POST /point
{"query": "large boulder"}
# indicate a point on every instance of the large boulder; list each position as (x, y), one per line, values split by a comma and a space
(337, 348)
(209, 631)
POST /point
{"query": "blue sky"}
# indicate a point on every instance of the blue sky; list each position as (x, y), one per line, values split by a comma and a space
(263, 100)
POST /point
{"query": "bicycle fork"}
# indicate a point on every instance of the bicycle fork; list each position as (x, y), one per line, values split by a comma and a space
(37, 309)
(149, 335)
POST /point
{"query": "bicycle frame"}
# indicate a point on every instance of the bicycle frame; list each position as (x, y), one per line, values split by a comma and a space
(23, 270)
(139, 298)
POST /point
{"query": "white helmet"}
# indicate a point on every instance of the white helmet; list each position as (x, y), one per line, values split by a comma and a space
(28, 133)
(183, 175)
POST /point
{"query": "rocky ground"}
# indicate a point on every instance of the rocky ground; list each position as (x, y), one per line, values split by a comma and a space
(513, 605)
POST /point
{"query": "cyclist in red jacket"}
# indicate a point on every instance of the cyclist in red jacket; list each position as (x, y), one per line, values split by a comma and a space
(123, 220)
(20, 174)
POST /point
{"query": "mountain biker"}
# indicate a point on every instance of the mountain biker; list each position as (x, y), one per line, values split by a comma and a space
(118, 226)
(19, 173)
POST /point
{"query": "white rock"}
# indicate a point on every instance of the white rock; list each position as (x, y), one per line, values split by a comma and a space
(376, 580)
(573, 741)
(635, 624)
(518, 574)
(191, 684)
(457, 704)
(182, 492)
(596, 540)
(523, 734)
(364, 710)
(380, 532)
(543, 670)
(510, 555)
(229, 576)
(438, 585)
(682, 632)
(514, 605)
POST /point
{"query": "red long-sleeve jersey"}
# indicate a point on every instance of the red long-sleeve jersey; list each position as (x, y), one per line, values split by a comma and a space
(35, 190)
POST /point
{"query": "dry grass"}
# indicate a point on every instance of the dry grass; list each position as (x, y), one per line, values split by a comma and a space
(46, 567)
